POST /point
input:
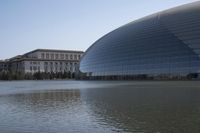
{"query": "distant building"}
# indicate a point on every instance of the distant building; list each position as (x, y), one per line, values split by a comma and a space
(4, 65)
(1, 65)
(45, 60)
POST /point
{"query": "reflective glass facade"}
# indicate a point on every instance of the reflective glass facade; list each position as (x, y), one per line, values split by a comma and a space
(165, 44)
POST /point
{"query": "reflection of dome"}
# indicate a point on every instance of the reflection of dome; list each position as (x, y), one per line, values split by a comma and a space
(163, 44)
(149, 107)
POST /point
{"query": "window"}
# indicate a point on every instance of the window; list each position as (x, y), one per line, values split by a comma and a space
(47, 56)
(75, 57)
(66, 56)
(75, 65)
(52, 56)
(45, 69)
(56, 56)
(51, 69)
(61, 56)
(34, 68)
(71, 57)
(42, 55)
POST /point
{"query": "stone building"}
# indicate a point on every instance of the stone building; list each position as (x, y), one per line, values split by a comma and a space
(4, 65)
(46, 60)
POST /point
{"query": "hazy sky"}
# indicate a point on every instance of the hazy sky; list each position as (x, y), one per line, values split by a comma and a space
(26, 25)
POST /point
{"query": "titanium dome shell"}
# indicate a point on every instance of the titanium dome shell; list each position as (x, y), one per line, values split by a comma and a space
(165, 43)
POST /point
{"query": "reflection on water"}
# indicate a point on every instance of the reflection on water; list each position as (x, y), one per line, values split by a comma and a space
(157, 107)
(42, 100)
(42, 111)
(149, 107)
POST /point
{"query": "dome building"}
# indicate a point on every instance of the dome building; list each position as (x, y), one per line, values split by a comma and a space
(163, 45)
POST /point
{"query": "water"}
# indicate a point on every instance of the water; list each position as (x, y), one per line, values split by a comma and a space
(100, 107)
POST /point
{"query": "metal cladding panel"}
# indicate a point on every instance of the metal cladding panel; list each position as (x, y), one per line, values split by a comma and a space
(184, 23)
(164, 43)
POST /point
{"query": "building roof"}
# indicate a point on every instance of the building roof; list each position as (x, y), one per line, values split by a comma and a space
(16, 57)
(37, 59)
(54, 50)
(4, 61)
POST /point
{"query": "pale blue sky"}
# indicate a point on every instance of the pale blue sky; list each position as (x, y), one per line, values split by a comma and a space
(26, 25)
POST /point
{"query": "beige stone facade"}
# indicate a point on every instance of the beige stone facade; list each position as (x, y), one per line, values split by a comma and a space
(46, 60)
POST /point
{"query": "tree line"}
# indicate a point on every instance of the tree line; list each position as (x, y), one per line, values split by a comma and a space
(9, 75)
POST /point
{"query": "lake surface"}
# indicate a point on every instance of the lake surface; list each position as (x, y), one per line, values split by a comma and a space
(100, 107)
